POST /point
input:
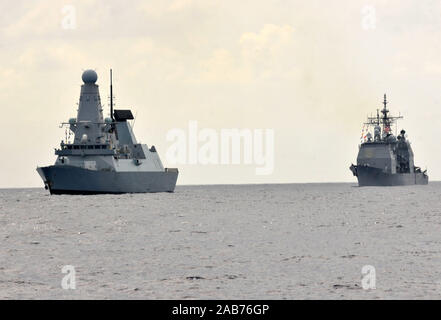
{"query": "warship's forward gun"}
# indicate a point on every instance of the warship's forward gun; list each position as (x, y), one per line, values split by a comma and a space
(104, 156)
(383, 158)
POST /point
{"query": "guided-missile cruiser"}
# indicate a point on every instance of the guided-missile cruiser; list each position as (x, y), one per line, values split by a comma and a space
(104, 156)
(386, 159)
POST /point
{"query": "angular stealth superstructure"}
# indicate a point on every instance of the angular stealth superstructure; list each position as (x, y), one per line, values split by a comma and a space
(104, 156)
(386, 160)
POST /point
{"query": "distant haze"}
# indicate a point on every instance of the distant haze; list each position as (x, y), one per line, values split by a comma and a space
(310, 70)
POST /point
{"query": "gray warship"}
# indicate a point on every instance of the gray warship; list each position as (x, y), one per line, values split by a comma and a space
(104, 156)
(386, 159)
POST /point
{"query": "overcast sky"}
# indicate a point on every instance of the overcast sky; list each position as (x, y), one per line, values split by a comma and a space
(310, 70)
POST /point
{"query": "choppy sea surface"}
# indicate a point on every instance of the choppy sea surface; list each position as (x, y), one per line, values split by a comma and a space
(290, 241)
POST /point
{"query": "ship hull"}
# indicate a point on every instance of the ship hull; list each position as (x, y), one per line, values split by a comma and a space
(75, 180)
(369, 176)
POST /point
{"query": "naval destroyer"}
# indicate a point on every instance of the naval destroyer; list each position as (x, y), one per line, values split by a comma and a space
(386, 159)
(104, 156)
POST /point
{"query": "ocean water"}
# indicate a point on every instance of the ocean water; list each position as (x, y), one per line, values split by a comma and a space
(291, 241)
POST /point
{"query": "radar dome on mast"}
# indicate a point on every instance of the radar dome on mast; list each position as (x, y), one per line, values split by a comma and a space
(89, 76)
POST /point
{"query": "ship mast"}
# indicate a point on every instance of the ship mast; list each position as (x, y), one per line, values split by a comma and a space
(385, 120)
(111, 96)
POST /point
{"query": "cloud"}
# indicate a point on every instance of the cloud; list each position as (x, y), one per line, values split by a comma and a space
(159, 8)
(260, 55)
(270, 42)
(40, 18)
(222, 66)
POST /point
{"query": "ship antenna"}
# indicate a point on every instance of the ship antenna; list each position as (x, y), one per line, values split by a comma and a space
(111, 95)
(386, 121)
